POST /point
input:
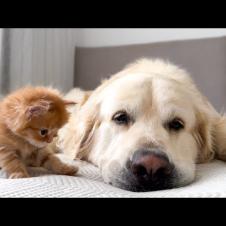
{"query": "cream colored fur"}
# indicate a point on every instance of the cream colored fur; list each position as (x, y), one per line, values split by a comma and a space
(152, 91)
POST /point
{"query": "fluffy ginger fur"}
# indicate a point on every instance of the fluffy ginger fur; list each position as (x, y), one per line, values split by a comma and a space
(23, 115)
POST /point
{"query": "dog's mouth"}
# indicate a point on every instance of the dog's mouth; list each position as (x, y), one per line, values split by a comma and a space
(129, 182)
(147, 170)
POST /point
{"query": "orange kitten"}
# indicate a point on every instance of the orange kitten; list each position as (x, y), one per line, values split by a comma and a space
(29, 120)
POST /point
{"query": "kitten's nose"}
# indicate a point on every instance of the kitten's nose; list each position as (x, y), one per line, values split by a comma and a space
(49, 139)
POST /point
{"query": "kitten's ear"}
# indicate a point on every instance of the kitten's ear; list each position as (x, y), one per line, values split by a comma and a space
(69, 102)
(38, 109)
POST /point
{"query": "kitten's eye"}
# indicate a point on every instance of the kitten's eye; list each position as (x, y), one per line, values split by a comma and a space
(121, 118)
(176, 124)
(43, 132)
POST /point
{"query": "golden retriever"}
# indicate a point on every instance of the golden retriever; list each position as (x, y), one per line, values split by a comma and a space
(145, 128)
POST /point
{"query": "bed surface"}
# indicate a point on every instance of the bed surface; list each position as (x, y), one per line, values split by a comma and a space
(210, 182)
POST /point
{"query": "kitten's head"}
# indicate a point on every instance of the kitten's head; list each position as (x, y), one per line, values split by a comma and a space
(35, 114)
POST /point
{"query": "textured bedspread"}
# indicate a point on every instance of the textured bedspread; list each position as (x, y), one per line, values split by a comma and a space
(210, 182)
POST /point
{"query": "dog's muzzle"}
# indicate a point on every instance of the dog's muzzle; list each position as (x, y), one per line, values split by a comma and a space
(148, 170)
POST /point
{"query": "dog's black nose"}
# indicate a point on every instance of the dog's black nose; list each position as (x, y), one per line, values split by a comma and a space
(146, 164)
(151, 170)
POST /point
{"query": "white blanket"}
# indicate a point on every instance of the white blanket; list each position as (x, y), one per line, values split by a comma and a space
(210, 182)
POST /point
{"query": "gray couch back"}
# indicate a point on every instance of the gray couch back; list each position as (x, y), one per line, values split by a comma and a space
(204, 59)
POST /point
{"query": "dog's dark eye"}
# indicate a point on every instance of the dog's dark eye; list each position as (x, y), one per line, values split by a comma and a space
(176, 124)
(121, 118)
(43, 132)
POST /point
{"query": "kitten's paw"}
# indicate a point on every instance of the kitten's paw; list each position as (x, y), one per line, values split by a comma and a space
(17, 175)
(68, 170)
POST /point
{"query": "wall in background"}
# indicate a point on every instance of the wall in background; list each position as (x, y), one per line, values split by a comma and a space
(40, 57)
(0, 43)
(112, 37)
(1, 61)
(46, 56)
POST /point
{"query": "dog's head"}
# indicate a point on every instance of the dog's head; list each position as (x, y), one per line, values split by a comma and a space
(145, 128)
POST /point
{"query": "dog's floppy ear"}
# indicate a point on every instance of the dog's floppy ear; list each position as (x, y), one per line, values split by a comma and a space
(220, 138)
(90, 124)
(76, 137)
(210, 132)
(204, 137)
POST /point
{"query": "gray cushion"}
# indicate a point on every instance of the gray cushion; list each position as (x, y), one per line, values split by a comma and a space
(205, 59)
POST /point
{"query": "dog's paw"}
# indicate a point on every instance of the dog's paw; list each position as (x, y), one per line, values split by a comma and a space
(16, 175)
